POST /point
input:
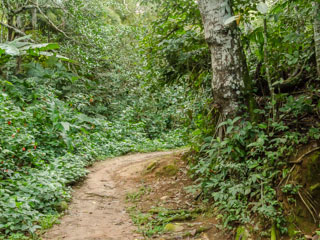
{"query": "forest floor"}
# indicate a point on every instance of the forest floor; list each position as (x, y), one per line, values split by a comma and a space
(133, 197)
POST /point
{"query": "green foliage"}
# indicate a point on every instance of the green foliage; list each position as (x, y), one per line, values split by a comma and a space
(20, 47)
(136, 196)
(290, 43)
(48, 221)
(117, 95)
(175, 45)
(17, 236)
(156, 220)
(46, 143)
(290, 189)
(241, 172)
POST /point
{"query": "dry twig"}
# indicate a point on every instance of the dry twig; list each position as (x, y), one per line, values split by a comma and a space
(307, 206)
(14, 29)
(304, 155)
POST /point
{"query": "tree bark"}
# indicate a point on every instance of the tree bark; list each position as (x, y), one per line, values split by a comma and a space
(316, 27)
(19, 24)
(230, 73)
(10, 30)
(34, 18)
(266, 61)
(14, 29)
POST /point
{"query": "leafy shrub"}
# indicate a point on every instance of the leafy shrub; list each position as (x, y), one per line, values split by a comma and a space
(240, 173)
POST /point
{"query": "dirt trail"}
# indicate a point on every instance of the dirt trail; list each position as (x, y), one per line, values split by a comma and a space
(97, 211)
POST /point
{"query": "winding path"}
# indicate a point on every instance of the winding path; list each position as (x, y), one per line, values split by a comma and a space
(97, 211)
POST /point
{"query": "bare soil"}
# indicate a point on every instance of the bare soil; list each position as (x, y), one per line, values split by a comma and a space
(98, 207)
(168, 190)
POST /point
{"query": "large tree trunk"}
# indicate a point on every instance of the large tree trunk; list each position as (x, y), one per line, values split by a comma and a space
(230, 74)
(316, 27)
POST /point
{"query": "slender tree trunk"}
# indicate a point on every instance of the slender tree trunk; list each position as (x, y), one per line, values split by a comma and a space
(19, 26)
(316, 27)
(19, 22)
(266, 61)
(230, 73)
(1, 35)
(34, 19)
(10, 31)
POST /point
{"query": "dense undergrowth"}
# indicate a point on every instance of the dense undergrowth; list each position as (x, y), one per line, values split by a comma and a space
(242, 165)
(135, 76)
(244, 173)
(84, 97)
(46, 143)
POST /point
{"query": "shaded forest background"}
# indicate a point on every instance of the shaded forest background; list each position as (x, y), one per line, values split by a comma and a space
(85, 80)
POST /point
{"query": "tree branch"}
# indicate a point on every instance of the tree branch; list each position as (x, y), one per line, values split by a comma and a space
(23, 9)
(14, 29)
(51, 23)
(176, 28)
(27, 7)
(304, 155)
(294, 79)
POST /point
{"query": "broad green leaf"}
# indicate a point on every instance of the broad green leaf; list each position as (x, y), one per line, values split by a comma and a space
(247, 191)
(262, 126)
(254, 165)
(84, 118)
(50, 54)
(66, 126)
(7, 82)
(222, 124)
(9, 49)
(262, 8)
(43, 46)
(28, 37)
